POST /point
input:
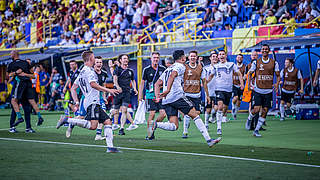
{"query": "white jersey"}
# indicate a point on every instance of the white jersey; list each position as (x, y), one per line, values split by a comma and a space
(212, 84)
(86, 76)
(176, 91)
(223, 73)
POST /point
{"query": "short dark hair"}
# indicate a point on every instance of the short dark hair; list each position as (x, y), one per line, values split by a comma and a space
(86, 55)
(98, 57)
(291, 60)
(121, 55)
(72, 61)
(177, 54)
(240, 55)
(155, 52)
(169, 60)
(213, 52)
(266, 45)
(193, 51)
(222, 50)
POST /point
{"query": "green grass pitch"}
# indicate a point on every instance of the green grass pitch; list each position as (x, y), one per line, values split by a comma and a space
(83, 158)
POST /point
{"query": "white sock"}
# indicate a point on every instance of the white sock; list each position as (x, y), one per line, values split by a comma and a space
(219, 119)
(167, 126)
(260, 123)
(237, 109)
(234, 106)
(250, 116)
(186, 122)
(109, 135)
(206, 119)
(282, 110)
(80, 122)
(202, 128)
(213, 113)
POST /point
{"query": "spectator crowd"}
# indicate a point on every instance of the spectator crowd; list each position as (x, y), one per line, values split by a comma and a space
(121, 21)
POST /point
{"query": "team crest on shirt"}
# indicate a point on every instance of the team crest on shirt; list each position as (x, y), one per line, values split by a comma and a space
(261, 67)
(189, 72)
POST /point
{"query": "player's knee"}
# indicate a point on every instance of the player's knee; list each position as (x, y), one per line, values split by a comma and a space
(107, 122)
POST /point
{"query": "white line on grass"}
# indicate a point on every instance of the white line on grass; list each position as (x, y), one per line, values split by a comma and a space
(162, 151)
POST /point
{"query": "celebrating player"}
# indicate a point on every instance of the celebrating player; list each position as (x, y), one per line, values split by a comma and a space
(223, 71)
(192, 86)
(173, 98)
(264, 69)
(211, 104)
(88, 83)
(236, 91)
(290, 76)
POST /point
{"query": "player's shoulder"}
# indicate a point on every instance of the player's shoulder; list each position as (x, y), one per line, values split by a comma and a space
(147, 68)
(162, 67)
(104, 72)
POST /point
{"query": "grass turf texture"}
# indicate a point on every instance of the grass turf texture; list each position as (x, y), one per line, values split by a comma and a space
(288, 141)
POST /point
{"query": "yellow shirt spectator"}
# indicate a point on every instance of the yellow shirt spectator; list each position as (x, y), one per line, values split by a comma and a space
(291, 22)
(44, 1)
(2, 5)
(271, 20)
(18, 35)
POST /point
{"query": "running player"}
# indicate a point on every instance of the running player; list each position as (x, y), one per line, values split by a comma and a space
(236, 91)
(223, 71)
(87, 81)
(173, 98)
(290, 76)
(150, 76)
(102, 77)
(192, 86)
(264, 69)
(211, 104)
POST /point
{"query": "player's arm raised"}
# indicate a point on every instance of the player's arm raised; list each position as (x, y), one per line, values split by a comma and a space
(173, 75)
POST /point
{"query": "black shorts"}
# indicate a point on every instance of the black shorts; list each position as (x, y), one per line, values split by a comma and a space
(196, 102)
(153, 106)
(287, 97)
(122, 99)
(182, 104)
(95, 112)
(236, 91)
(263, 100)
(23, 89)
(224, 96)
(213, 101)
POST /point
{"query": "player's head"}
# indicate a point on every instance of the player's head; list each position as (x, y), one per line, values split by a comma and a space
(73, 65)
(178, 55)
(124, 59)
(98, 63)
(265, 50)
(213, 57)
(88, 58)
(14, 54)
(169, 61)
(54, 70)
(222, 56)
(239, 58)
(193, 56)
(254, 55)
(155, 57)
(288, 63)
(37, 68)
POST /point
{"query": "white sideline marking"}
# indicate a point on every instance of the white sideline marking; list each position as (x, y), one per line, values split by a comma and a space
(162, 151)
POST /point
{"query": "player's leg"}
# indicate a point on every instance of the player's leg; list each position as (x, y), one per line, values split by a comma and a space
(282, 110)
(17, 94)
(234, 107)
(109, 136)
(27, 116)
(99, 133)
(207, 113)
(265, 104)
(116, 104)
(173, 123)
(256, 103)
(123, 118)
(202, 128)
(150, 122)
